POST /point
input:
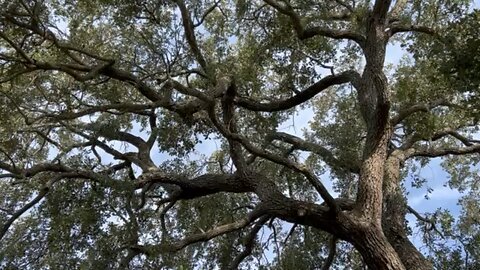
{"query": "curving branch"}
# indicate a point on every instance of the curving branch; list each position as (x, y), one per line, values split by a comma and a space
(302, 33)
(418, 107)
(189, 28)
(425, 220)
(332, 250)
(249, 243)
(201, 237)
(323, 152)
(301, 97)
(445, 151)
(41, 194)
(255, 151)
(401, 28)
(455, 134)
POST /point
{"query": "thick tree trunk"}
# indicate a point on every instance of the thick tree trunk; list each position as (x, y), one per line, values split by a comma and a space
(376, 250)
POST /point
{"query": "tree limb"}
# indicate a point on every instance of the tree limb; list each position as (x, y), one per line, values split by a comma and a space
(305, 95)
(332, 249)
(419, 107)
(324, 153)
(190, 34)
(303, 33)
(400, 28)
(249, 243)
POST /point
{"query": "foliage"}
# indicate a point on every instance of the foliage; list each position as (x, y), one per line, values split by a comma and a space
(151, 134)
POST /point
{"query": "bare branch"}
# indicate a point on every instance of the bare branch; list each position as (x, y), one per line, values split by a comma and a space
(431, 222)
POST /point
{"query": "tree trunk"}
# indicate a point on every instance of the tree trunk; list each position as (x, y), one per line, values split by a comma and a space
(376, 251)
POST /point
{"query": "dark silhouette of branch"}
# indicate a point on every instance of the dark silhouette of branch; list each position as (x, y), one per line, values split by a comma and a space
(332, 249)
(302, 33)
(249, 243)
(324, 153)
(190, 34)
(301, 97)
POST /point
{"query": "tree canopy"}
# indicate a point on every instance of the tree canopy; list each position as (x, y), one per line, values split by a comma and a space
(110, 110)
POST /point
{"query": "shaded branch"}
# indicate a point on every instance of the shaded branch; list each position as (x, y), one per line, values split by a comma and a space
(303, 96)
(230, 123)
(332, 249)
(399, 28)
(439, 152)
(302, 33)
(190, 34)
(249, 243)
(202, 237)
(323, 152)
(312, 179)
(41, 194)
(419, 107)
(380, 9)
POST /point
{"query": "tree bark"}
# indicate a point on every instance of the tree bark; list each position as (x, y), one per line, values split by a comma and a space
(375, 249)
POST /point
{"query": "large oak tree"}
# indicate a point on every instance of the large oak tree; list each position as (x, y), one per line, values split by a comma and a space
(105, 105)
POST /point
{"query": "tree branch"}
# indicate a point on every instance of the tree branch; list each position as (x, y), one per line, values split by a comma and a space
(400, 28)
(249, 243)
(230, 122)
(332, 249)
(323, 152)
(202, 237)
(190, 34)
(303, 33)
(305, 95)
(419, 107)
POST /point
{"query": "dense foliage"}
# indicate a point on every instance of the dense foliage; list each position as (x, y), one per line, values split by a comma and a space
(151, 134)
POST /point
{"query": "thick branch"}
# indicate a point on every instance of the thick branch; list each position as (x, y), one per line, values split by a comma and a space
(305, 95)
(230, 123)
(380, 8)
(440, 152)
(419, 107)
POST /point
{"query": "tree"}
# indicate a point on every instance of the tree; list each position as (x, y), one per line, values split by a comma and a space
(104, 104)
